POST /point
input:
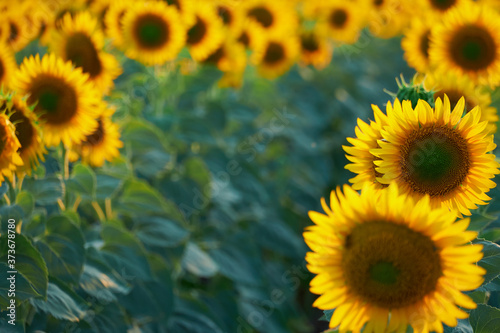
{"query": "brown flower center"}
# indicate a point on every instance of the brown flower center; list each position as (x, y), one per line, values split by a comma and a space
(262, 15)
(97, 136)
(82, 53)
(274, 53)
(24, 129)
(197, 32)
(442, 5)
(151, 32)
(338, 18)
(472, 48)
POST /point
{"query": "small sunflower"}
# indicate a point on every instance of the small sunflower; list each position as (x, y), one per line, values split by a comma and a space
(416, 44)
(363, 162)
(9, 145)
(19, 30)
(7, 64)
(232, 15)
(153, 33)
(253, 36)
(206, 34)
(456, 88)
(229, 57)
(186, 9)
(113, 21)
(67, 103)
(440, 7)
(385, 261)
(389, 18)
(468, 44)
(342, 21)
(276, 16)
(80, 41)
(315, 49)
(276, 56)
(438, 153)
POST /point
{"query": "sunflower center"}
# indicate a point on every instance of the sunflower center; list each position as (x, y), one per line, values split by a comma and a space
(97, 136)
(215, 57)
(82, 53)
(24, 129)
(225, 14)
(151, 31)
(389, 264)
(14, 32)
(174, 3)
(338, 18)
(197, 32)
(443, 5)
(378, 3)
(244, 39)
(473, 48)
(274, 53)
(309, 43)
(262, 15)
(435, 160)
(2, 70)
(57, 102)
(424, 43)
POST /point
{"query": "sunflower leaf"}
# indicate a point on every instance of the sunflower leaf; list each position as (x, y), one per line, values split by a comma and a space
(490, 261)
(485, 319)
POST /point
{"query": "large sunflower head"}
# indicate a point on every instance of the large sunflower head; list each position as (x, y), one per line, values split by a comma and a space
(416, 44)
(274, 57)
(67, 102)
(153, 32)
(80, 40)
(207, 32)
(468, 44)
(9, 145)
(362, 161)
(438, 153)
(316, 50)
(385, 261)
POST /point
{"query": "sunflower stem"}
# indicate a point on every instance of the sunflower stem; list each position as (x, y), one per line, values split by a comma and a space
(99, 211)
(7, 200)
(109, 210)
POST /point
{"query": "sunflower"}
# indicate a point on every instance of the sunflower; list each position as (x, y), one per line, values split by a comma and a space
(315, 49)
(253, 36)
(113, 20)
(273, 16)
(363, 162)
(206, 34)
(467, 43)
(43, 18)
(232, 15)
(440, 7)
(341, 20)
(101, 145)
(229, 57)
(27, 131)
(416, 44)
(9, 144)
(186, 8)
(389, 18)
(456, 88)
(7, 64)
(80, 41)
(438, 153)
(153, 33)
(276, 55)
(19, 31)
(67, 103)
(386, 260)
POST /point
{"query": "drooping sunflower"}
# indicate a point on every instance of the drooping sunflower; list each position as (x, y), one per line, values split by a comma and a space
(206, 34)
(438, 153)
(67, 102)
(316, 50)
(341, 20)
(275, 16)
(456, 88)
(416, 44)
(80, 40)
(276, 55)
(468, 44)
(113, 21)
(7, 64)
(153, 32)
(385, 260)
(27, 131)
(362, 161)
(9, 144)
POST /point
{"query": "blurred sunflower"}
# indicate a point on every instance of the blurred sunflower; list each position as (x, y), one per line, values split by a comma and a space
(416, 44)
(386, 260)
(7, 64)
(438, 153)
(206, 34)
(231, 14)
(67, 102)
(43, 18)
(186, 9)
(252, 36)
(440, 7)
(113, 21)
(153, 33)
(276, 56)
(9, 145)
(342, 20)
(456, 88)
(389, 18)
(230, 56)
(273, 16)
(80, 41)
(19, 31)
(468, 43)
(363, 162)
(315, 49)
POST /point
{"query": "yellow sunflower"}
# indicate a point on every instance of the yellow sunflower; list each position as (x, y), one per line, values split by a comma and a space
(276, 55)
(440, 7)
(153, 33)
(273, 16)
(113, 21)
(232, 15)
(456, 88)
(80, 41)
(385, 260)
(341, 20)
(67, 102)
(416, 44)
(101, 145)
(206, 34)
(316, 50)
(252, 36)
(19, 30)
(7, 64)
(186, 8)
(27, 130)
(363, 162)
(389, 18)
(229, 57)
(436, 152)
(468, 44)
(9, 144)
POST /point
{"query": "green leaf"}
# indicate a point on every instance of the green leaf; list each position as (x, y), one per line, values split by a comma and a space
(485, 319)
(463, 326)
(197, 170)
(107, 186)
(32, 275)
(198, 262)
(62, 247)
(102, 282)
(26, 201)
(46, 191)
(82, 181)
(490, 261)
(327, 315)
(62, 302)
(160, 232)
(4, 188)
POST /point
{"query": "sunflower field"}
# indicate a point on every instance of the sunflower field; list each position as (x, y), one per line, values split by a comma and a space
(249, 166)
